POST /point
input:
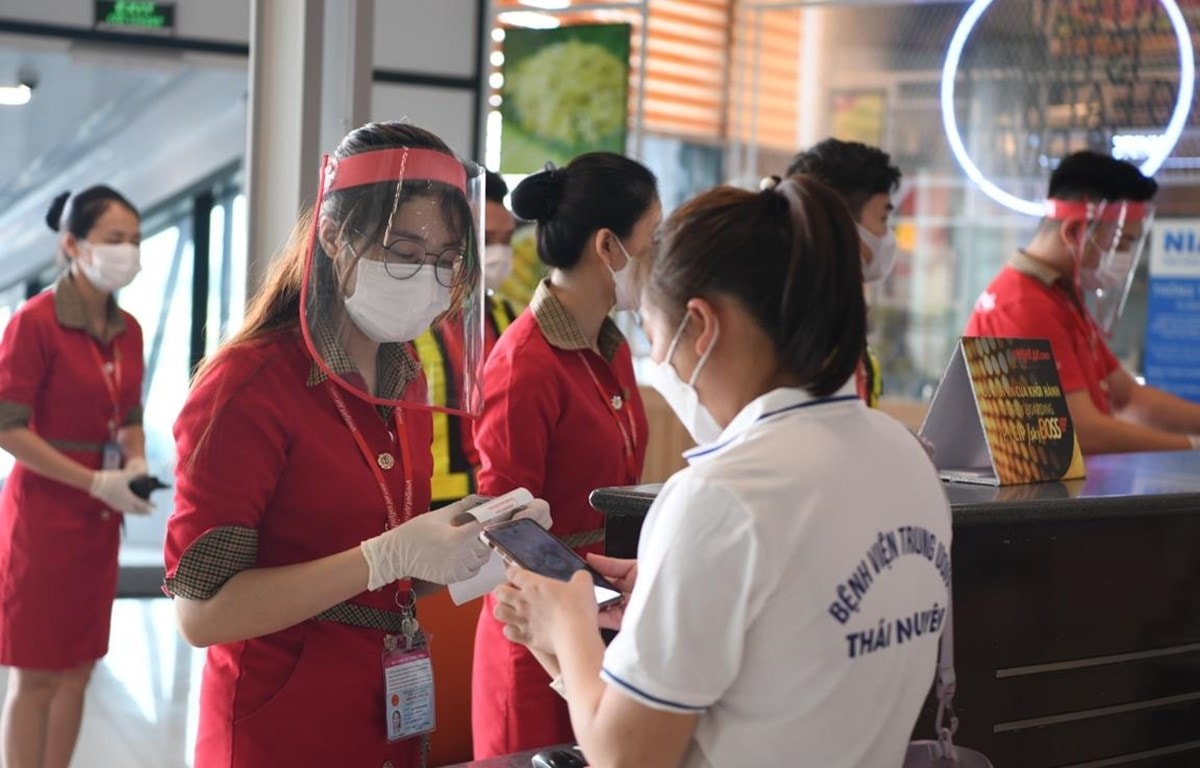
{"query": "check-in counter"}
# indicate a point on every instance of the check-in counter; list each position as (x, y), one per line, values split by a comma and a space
(1076, 612)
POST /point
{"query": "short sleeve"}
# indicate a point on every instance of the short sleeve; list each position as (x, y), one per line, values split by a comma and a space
(691, 606)
(1028, 315)
(231, 438)
(1043, 324)
(521, 403)
(24, 362)
(131, 389)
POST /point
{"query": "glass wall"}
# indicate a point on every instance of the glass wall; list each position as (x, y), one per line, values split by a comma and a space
(1035, 80)
(161, 299)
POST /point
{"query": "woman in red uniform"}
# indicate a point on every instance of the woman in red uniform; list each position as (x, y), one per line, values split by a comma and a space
(71, 414)
(309, 433)
(562, 415)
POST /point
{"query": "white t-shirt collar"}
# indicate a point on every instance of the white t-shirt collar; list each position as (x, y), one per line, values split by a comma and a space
(777, 402)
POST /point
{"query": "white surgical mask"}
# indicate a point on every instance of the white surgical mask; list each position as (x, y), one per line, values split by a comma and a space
(109, 266)
(1109, 276)
(627, 293)
(497, 264)
(391, 310)
(883, 258)
(681, 395)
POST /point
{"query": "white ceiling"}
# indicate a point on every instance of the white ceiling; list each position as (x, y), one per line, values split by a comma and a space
(147, 124)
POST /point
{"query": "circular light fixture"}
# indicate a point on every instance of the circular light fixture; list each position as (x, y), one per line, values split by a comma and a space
(1156, 157)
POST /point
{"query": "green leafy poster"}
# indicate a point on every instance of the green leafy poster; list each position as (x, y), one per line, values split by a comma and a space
(565, 92)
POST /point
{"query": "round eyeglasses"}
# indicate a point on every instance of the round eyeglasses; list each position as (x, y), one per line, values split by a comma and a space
(404, 257)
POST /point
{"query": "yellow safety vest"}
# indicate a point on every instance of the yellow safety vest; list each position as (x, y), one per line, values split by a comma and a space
(874, 377)
(453, 476)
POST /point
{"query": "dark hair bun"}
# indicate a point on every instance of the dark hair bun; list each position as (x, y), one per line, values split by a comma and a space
(536, 197)
(55, 214)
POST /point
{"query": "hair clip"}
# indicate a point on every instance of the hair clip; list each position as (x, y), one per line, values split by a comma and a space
(769, 183)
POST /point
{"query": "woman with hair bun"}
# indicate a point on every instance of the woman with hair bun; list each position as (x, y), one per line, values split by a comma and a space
(71, 415)
(561, 414)
(748, 635)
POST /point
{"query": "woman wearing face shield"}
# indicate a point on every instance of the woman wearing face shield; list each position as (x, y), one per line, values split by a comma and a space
(70, 414)
(755, 631)
(562, 415)
(300, 536)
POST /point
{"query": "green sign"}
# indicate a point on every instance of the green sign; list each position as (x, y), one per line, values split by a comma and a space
(134, 15)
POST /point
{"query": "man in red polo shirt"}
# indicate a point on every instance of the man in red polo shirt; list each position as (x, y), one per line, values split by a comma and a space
(1068, 286)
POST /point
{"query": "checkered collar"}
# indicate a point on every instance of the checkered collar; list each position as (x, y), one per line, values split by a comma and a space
(561, 330)
(397, 365)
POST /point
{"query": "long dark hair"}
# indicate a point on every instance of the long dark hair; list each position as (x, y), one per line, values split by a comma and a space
(789, 255)
(363, 210)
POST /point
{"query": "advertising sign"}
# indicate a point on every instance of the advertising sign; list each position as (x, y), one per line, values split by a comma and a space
(1172, 359)
(565, 92)
(999, 417)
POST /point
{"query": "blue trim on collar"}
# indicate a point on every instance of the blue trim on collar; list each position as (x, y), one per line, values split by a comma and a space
(696, 453)
(648, 697)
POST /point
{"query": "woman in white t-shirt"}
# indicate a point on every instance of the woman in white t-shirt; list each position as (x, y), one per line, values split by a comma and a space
(790, 585)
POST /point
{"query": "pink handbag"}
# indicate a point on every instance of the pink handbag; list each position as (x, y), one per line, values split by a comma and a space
(942, 752)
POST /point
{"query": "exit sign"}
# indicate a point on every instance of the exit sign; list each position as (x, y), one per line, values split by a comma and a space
(135, 16)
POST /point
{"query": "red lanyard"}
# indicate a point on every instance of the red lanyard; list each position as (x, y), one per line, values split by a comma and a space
(615, 404)
(111, 373)
(382, 461)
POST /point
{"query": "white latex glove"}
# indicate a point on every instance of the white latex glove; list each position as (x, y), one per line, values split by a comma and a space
(137, 465)
(428, 547)
(111, 486)
(538, 511)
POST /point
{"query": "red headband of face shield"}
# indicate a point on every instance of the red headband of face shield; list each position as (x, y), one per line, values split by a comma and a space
(416, 267)
(1062, 210)
(391, 165)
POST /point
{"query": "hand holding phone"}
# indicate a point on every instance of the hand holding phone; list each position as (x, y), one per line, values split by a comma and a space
(525, 543)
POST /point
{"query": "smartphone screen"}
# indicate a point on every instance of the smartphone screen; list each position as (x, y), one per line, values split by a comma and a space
(530, 546)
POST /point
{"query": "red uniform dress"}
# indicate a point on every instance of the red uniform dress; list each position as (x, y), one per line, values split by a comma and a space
(551, 427)
(1029, 301)
(269, 475)
(58, 546)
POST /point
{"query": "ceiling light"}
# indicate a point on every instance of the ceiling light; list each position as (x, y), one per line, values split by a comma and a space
(15, 95)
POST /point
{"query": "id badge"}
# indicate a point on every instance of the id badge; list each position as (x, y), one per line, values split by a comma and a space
(408, 692)
(112, 455)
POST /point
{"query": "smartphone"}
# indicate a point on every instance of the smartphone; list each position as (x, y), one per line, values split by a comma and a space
(525, 543)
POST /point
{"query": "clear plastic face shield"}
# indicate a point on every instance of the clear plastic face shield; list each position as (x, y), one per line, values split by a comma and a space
(396, 249)
(1108, 252)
